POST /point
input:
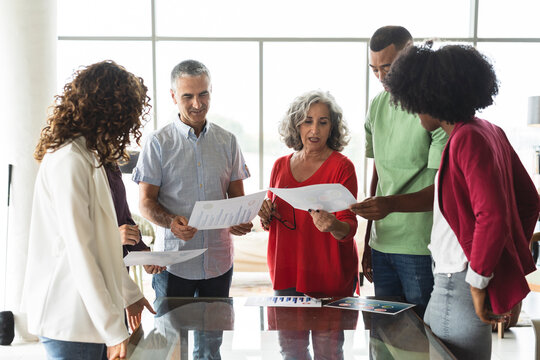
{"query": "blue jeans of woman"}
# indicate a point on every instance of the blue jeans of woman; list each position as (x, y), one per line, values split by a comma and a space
(451, 316)
(69, 350)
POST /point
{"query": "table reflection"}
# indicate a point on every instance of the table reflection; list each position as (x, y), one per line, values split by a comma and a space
(295, 325)
(210, 328)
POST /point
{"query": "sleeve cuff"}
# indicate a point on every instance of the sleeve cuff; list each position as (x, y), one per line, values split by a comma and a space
(476, 280)
(137, 177)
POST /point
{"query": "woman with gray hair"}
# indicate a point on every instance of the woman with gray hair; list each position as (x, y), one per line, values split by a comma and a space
(312, 252)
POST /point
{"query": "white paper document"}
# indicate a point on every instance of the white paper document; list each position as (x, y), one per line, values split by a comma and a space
(329, 197)
(220, 214)
(161, 258)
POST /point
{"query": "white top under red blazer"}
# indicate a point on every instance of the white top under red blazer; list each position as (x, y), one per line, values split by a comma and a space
(76, 285)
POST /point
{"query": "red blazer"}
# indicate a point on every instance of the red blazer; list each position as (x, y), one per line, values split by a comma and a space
(491, 204)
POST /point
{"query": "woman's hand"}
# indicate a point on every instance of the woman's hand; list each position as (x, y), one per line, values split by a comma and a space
(117, 351)
(266, 212)
(134, 311)
(129, 234)
(327, 222)
(482, 310)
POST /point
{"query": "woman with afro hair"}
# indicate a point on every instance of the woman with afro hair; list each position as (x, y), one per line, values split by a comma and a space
(485, 204)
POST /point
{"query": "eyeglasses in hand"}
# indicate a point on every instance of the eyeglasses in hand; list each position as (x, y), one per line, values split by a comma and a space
(286, 223)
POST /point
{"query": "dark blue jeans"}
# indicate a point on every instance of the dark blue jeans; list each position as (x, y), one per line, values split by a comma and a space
(206, 344)
(409, 277)
(68, 350)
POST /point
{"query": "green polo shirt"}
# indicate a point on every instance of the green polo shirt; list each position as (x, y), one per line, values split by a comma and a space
(406, 157)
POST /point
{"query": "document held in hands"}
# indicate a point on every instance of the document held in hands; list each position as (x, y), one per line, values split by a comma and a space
(329, 197)
(160, 258)
(220, 214)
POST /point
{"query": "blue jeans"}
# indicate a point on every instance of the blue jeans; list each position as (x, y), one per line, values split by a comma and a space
(166, 284)
(451, 316)
(206, 344)
(68, 350)
(409, 277)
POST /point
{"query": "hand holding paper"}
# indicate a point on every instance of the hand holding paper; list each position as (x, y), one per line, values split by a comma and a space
(220, 214)
(329, 197)
(181, 229)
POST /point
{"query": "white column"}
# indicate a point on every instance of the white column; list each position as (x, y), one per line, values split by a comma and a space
(28, 72)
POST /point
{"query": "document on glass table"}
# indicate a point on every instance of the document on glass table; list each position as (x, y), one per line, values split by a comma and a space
(160, 258)
(329, 197)
(220, 214)
(285, 301)
(370, 305)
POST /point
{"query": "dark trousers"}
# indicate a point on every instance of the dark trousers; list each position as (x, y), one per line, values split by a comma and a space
(166, 284)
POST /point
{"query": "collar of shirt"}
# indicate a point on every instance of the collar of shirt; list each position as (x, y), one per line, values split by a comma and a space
(187, 131)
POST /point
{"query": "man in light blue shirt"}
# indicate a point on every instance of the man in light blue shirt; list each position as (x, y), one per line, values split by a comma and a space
(186, 161)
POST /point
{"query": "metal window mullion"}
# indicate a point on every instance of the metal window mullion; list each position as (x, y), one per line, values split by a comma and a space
(474, 20)
(154, 66)
(366, 109)
(261, 114)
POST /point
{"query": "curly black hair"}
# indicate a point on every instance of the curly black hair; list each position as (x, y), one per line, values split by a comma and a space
(104, 103)
(449, 84)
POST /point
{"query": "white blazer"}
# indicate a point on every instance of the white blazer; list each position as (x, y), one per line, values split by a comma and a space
(76, 285)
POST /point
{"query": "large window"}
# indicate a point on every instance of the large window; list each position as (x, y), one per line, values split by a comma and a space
(262, 54)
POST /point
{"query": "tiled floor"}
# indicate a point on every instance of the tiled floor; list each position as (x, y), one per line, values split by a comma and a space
(518, 343)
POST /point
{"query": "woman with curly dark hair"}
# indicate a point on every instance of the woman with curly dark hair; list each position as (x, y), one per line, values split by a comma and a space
(76, 286)
(485, 204)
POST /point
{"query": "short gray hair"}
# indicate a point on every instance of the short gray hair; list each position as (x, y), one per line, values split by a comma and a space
(188, 68)
(297, 113)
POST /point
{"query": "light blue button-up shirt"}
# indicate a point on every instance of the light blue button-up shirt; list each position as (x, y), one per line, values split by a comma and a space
(189, 169)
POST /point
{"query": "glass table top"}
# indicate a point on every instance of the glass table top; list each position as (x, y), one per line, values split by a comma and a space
(213, 328)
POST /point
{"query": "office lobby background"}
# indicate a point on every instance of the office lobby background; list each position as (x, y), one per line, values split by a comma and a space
(261, 55)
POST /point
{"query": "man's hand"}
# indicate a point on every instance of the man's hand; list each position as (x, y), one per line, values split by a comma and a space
(241, 229)
(117, 351)
(154, 269)
(482, 310)
(129, 234)
(367, 269)
(134, 311)
(180, 228)
(372, 208)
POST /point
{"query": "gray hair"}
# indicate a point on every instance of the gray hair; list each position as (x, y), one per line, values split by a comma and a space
(188, 68)
(297, 113)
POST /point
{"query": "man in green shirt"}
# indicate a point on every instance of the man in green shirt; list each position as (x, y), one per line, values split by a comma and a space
(406, 158)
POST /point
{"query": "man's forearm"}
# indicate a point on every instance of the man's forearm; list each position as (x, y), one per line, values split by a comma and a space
(156, 213)
(414, 202)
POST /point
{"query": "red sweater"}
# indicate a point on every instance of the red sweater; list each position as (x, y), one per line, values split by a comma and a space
(492, 206)
(311, 261)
